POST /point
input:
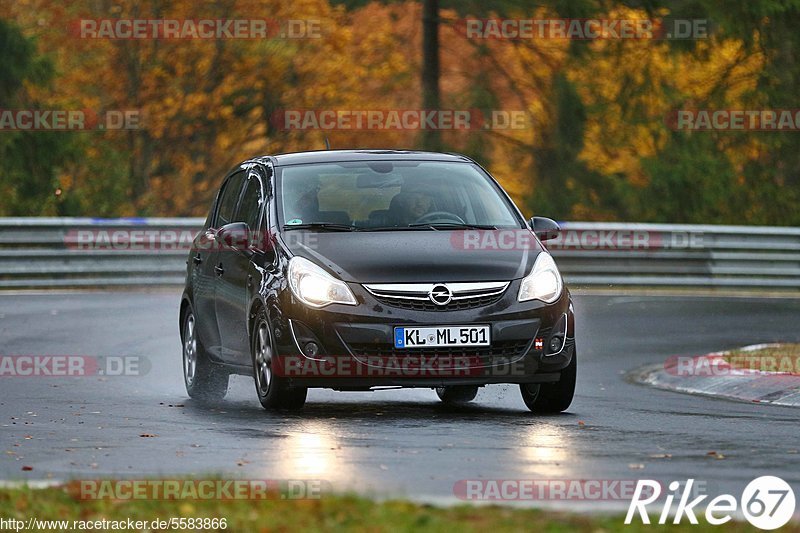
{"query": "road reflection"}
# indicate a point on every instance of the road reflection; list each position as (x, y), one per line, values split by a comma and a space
(310, 454)
(546, 451)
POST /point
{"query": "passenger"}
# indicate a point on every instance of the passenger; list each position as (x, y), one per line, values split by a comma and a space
(305, 208)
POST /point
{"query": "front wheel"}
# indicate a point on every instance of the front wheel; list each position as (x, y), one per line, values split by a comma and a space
(204, 380)
(273, 391)
(550, 398)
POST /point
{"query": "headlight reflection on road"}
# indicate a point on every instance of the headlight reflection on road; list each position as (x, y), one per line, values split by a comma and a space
(309, 454)
(546, 451)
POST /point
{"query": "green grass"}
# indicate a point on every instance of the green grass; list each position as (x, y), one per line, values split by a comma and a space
(777, 358)
(331, 513)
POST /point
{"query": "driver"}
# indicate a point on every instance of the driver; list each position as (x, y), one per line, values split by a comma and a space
(408, 207)
(418, 204)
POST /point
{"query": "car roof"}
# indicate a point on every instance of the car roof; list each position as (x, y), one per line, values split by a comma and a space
(339, 156)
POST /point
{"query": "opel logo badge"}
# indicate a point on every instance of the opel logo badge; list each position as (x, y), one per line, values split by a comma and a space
(440, 295)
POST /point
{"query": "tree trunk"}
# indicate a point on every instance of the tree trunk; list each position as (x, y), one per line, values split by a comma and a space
(431, 139)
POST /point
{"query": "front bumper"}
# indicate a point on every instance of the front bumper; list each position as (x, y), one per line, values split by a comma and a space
(355, 346)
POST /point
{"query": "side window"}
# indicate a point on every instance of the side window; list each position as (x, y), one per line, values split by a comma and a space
(228, 199)
(249, 208)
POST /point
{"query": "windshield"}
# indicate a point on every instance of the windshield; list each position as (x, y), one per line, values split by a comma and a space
(391, 195)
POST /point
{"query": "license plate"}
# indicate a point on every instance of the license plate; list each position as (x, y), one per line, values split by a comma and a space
(441, 336)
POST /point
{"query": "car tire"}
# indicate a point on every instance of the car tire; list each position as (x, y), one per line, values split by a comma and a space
(457, 394)
(273, 391)
(203, 379)
(551, 398)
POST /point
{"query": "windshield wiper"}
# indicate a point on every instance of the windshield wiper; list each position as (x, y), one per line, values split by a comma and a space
(332, 226)
(450, 225)
(323, 226)
(392, 228)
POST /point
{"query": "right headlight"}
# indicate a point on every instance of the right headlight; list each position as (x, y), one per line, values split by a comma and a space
(316, 288)
(543, 283)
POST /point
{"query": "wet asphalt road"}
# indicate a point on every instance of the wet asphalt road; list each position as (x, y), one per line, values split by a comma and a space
(391, 443)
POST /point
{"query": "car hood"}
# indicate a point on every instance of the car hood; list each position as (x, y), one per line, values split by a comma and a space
(419, 256)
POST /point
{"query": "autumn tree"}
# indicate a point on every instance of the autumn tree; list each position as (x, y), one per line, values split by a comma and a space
(29, 160)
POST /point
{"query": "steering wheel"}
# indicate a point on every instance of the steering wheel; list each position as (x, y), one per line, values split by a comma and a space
(438, 216)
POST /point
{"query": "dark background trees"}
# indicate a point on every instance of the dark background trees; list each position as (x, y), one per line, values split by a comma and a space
(598, 144)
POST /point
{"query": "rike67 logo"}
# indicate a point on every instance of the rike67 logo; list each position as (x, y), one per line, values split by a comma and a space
(767, 503)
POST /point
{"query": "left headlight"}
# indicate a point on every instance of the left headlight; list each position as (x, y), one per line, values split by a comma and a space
(543, 283)
(316, 288)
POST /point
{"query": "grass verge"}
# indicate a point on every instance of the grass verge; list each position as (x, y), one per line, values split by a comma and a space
(331, 513)
(772, 358)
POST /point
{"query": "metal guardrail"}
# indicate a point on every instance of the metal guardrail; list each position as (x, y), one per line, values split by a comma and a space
(52, 252)
(73, 252)
(671, 255)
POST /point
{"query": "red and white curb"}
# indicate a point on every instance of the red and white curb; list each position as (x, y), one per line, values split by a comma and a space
(712, 375)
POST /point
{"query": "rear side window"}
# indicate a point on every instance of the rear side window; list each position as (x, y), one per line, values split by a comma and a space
(228, 198)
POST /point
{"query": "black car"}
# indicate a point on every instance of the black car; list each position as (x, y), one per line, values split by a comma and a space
(366, 269)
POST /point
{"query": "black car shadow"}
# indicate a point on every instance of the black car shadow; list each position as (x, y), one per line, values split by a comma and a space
(248, 412)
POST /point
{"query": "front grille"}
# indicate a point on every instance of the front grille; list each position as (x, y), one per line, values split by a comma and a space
(427, 305)
(415, 296)
(485, 354)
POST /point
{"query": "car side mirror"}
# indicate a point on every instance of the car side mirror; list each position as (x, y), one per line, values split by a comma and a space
(545, 228)
(238, 236)
(235, 235)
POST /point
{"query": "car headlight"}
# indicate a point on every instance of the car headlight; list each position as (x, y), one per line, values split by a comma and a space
(543, 283)
(316, 288)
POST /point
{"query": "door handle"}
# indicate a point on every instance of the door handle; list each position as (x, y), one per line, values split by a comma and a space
(219, 270)
(197, 259)
(249, 281)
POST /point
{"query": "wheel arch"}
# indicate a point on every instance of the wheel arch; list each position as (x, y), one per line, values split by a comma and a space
(185, 305)
(256, 306)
